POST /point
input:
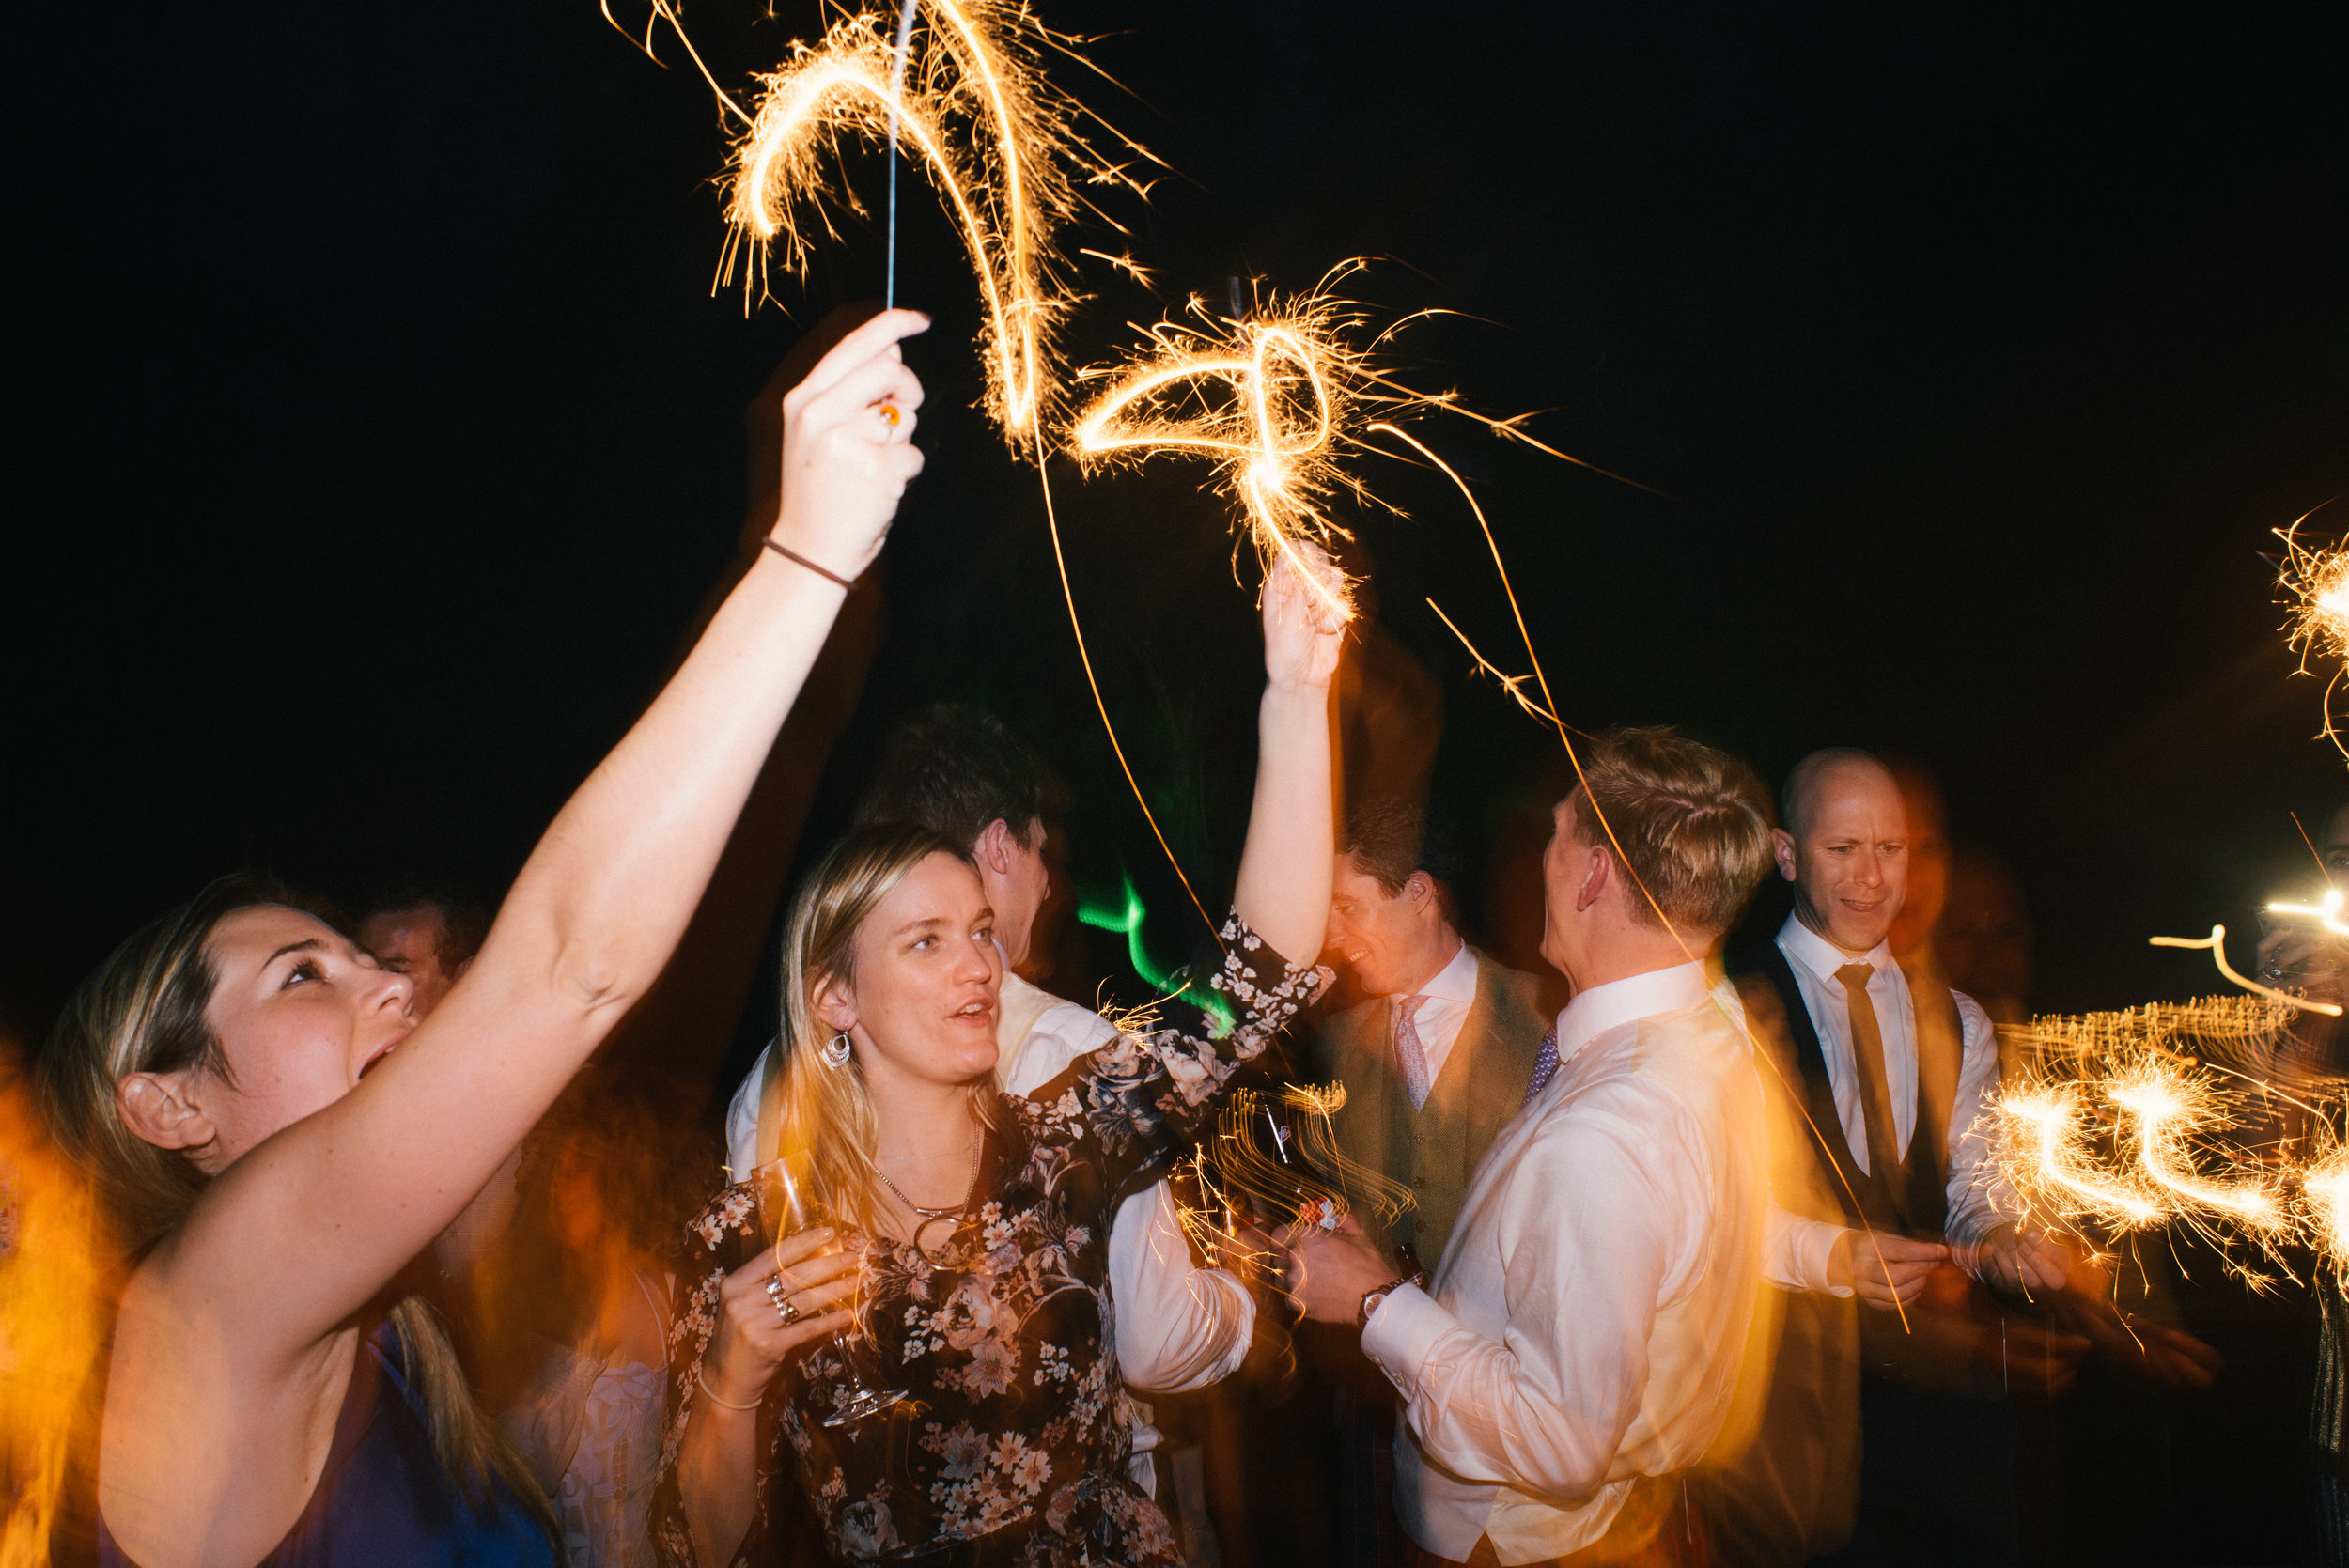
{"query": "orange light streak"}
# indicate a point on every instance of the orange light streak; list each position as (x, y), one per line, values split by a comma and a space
(2051, 1117)
(2164, 1104)
(1273, 434)
(2216, 942)
(1006, 186)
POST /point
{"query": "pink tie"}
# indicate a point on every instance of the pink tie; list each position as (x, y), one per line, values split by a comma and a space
(1408, 1054)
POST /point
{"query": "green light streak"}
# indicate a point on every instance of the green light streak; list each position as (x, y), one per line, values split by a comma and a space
(1126, 919)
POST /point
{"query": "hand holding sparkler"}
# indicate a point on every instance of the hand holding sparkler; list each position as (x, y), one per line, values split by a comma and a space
(1886, 1268)
(1328, 1272)
(1304, 621)
(2012, 1259)
(848, 451)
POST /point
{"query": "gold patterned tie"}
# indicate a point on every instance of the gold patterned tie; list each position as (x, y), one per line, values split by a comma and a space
(1875, 1095)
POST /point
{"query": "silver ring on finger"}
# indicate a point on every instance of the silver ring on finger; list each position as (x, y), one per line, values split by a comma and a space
(789, 1311)
(775, 1290)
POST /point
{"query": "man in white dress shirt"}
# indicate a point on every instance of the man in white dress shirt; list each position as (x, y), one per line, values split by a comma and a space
(1581, 1343)
(963, 775)
(1894, 1073)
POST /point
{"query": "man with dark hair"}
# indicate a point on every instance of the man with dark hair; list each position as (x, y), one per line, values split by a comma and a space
(1438, 1057)
(1435, 1061)
(1578, 1346)
(426, 934)
(961, 774)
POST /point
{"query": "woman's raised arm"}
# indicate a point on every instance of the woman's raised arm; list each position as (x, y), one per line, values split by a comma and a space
(1282, 890)
(306, 1228)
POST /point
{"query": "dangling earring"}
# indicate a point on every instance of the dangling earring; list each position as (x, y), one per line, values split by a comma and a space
(837, 1051)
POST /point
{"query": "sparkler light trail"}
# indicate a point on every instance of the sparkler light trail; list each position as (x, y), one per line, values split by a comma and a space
(1265, 398)
(1006, 183)
(1362, 1186)
(2164, 1105)
(2216, 942)
(2317, 582)
(2054, 1164)
(2165, 1114)
(2324, 1201)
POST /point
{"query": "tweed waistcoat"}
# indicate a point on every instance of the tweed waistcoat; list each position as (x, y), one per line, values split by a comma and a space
(1434, 1149)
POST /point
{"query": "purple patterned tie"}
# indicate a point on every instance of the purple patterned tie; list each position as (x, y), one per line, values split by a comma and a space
(1409, 1055)
(1544, 1066)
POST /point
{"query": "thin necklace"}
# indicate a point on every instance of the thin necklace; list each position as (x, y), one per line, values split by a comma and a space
(951, 1210)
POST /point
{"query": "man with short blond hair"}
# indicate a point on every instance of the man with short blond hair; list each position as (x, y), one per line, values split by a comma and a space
(1580, 1341)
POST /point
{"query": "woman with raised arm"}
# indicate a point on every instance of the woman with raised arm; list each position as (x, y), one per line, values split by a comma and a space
(280, 1142)
(976, 1225)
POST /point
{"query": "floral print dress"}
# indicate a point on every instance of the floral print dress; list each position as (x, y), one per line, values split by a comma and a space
(1015, 1431)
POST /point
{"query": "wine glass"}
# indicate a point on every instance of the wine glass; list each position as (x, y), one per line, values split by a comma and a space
(785, 1190)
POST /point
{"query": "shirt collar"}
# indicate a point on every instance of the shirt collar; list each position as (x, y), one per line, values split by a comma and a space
(1593, 1012)
(1455, 980)
(1823, 957)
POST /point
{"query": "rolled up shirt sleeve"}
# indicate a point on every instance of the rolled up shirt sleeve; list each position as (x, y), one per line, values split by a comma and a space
(1588, 1242)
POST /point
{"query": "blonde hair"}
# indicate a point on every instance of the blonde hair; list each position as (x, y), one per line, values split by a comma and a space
(825, 1109)
(143, 1011)
(1691, 823)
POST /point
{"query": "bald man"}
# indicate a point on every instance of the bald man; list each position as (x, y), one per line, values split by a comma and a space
(1878, 1168)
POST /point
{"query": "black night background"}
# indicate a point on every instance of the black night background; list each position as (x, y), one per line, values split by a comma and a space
(378, 430)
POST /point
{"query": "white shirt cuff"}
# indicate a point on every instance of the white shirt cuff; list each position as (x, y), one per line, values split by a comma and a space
(1401, 1332)
(1802, 1254)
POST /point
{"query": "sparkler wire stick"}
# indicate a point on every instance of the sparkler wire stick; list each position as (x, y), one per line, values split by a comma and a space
(2216, 942)
(896, 101)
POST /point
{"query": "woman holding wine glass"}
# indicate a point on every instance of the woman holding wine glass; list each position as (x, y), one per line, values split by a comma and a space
(974, 1225)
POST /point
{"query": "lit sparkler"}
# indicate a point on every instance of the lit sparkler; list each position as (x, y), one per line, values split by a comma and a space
(1266, 399)
(2325, 1205)
(2317, 580)
(2216, 942)
(2163, 1114)
(2052, 1163)
(976, 110)
(1004, 187)
(2166, 1106)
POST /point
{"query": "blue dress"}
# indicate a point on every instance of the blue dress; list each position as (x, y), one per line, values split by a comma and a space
(383, 1497)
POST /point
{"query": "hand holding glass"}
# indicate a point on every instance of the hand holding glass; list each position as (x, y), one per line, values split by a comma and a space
(785, 1190)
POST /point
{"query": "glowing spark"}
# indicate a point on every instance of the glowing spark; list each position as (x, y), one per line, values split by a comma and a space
(1124, 264)
(2165, 1114)
(2164, 1103)
(2325, 1194)
(2216, 942)
(1265, 399)
(1007, 185)
(2050, 1119)
(2317, 582)
(2326, 910)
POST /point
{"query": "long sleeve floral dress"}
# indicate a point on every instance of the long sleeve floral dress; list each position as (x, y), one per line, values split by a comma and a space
(1014, 1437)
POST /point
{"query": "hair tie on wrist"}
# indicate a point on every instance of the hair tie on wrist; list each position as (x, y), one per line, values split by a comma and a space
(723, 1404)
(825, 572)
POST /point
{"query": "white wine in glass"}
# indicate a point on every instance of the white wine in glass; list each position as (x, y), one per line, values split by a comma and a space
(785, 1190)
